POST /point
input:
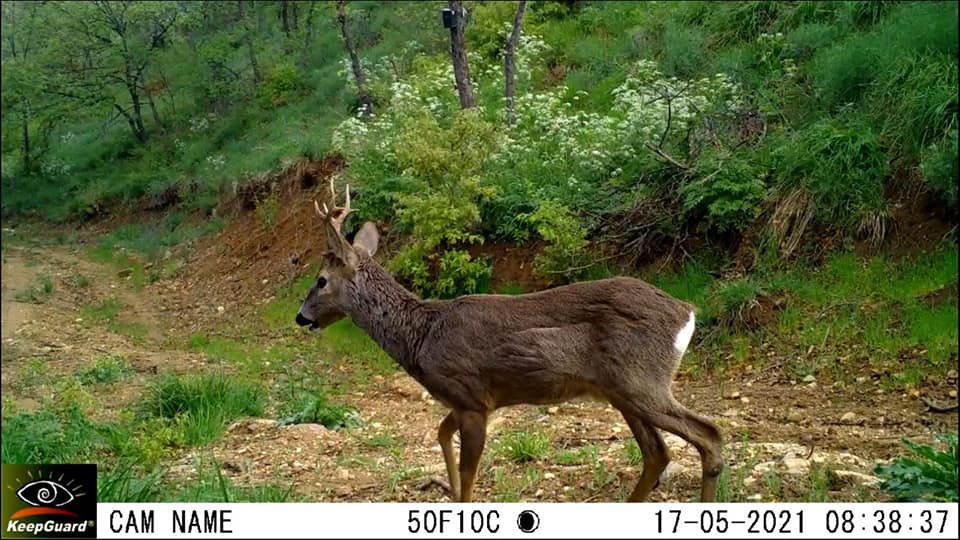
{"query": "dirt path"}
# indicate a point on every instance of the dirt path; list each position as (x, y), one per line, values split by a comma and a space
(782, 434)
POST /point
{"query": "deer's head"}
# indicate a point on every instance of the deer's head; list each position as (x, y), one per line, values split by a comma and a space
(327, 301)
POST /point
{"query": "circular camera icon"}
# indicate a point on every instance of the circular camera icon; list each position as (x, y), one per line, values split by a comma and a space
(528, 521)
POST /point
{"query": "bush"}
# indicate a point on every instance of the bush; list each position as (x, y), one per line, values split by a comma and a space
(840, 164)
(727, 193)
(929, 475)
(566, 245)
(939, 166)
(520, 447)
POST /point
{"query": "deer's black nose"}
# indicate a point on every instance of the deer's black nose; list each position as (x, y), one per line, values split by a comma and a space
(303, 321)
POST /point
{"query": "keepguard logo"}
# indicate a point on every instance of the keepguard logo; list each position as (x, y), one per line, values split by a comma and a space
(49, 501)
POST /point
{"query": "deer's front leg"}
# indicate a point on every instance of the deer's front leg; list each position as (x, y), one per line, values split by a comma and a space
(449, 425)
(473, 435)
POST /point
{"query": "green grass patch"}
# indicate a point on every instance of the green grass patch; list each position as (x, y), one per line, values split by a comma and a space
(46, 437)
(318, 410)
(928, 473)
(523, 446)
(202, 405)
(105, 370)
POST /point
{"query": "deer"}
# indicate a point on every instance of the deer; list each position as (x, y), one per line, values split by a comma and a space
(619, 340)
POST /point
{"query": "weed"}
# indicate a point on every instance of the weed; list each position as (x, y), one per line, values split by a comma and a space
(579, 456)
(634, 455)
(818, 484)
(105, 370)
(383, 440)
(44, 437)
(521, 446)
(927, 474)
(318, 410)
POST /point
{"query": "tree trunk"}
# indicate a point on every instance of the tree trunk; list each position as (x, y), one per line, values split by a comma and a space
(153, 106)
(308, 27)
(365, 100)
(133, 124)
(458, 53)
(253, 60)
(508, 60)
(25, 142)
(285, 17)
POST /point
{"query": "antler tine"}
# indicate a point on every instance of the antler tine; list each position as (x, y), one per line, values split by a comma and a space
(320, 213)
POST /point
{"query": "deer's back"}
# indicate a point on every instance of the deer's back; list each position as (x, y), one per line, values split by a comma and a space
(487, 351)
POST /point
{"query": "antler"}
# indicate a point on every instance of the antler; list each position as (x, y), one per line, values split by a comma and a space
(338, 214)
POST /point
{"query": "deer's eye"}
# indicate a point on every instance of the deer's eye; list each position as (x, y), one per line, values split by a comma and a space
(321, 282)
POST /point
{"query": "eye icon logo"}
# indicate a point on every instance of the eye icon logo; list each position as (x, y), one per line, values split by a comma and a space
(49, 501)
(45, 493)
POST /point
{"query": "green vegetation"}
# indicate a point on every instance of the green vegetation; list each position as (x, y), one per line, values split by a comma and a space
(520, 446)
(106, 370)
(319, 411)
(36, 295)
(202, 405)
(928, 474)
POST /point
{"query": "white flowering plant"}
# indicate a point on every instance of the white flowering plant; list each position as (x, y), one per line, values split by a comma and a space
(450, 176)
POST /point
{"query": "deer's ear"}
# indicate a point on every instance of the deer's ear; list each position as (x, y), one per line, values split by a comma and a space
(337, 246)
(367, 238)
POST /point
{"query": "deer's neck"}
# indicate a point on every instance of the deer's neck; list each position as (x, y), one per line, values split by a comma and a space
(391, 315)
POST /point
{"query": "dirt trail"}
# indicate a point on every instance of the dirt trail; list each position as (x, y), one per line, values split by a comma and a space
(15, 277)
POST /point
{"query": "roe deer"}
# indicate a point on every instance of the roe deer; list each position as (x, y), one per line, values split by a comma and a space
(616, 339)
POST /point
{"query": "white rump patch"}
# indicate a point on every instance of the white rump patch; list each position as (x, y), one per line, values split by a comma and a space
(684, 335)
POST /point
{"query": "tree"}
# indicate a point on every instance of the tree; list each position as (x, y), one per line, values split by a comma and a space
(458, 53)
(365, 100)
(508, 60)
(109, 45)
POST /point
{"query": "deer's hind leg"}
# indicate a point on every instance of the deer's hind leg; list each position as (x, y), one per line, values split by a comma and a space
(656, 456)
(669, 415)
(445, 433)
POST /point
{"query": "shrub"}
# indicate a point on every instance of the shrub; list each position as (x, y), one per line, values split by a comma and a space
(930, 474)
(280, 85)
(566, 245)
(939, 166)
(728, 193)
(840, 164)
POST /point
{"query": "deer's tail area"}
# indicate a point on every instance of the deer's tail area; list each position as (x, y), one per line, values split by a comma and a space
(682, 340)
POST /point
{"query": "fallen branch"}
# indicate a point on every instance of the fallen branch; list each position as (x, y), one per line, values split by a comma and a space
(934, 407)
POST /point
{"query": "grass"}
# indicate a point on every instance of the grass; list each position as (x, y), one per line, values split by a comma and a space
(521, 446)
(44, 436)
(512, 488)
(37, 294)
(202, 405)
(105, 370)
(579, 456)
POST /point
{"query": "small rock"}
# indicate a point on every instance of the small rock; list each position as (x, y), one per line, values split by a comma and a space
(126, 272)
(264, 281)
(953, 394)
(553, 410)
(756, 497)
(729, 412)
(732, 395)
(744, 400)
(549, 476)
(952, 374)
(567, 488)
(848, 418)
(344, 474)
(78, 320)
(673, 469)
(220, 309)
(617, 429)
(861, 379)
(853, 477)
(809, 379)
(795, 465)
(539, 493)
